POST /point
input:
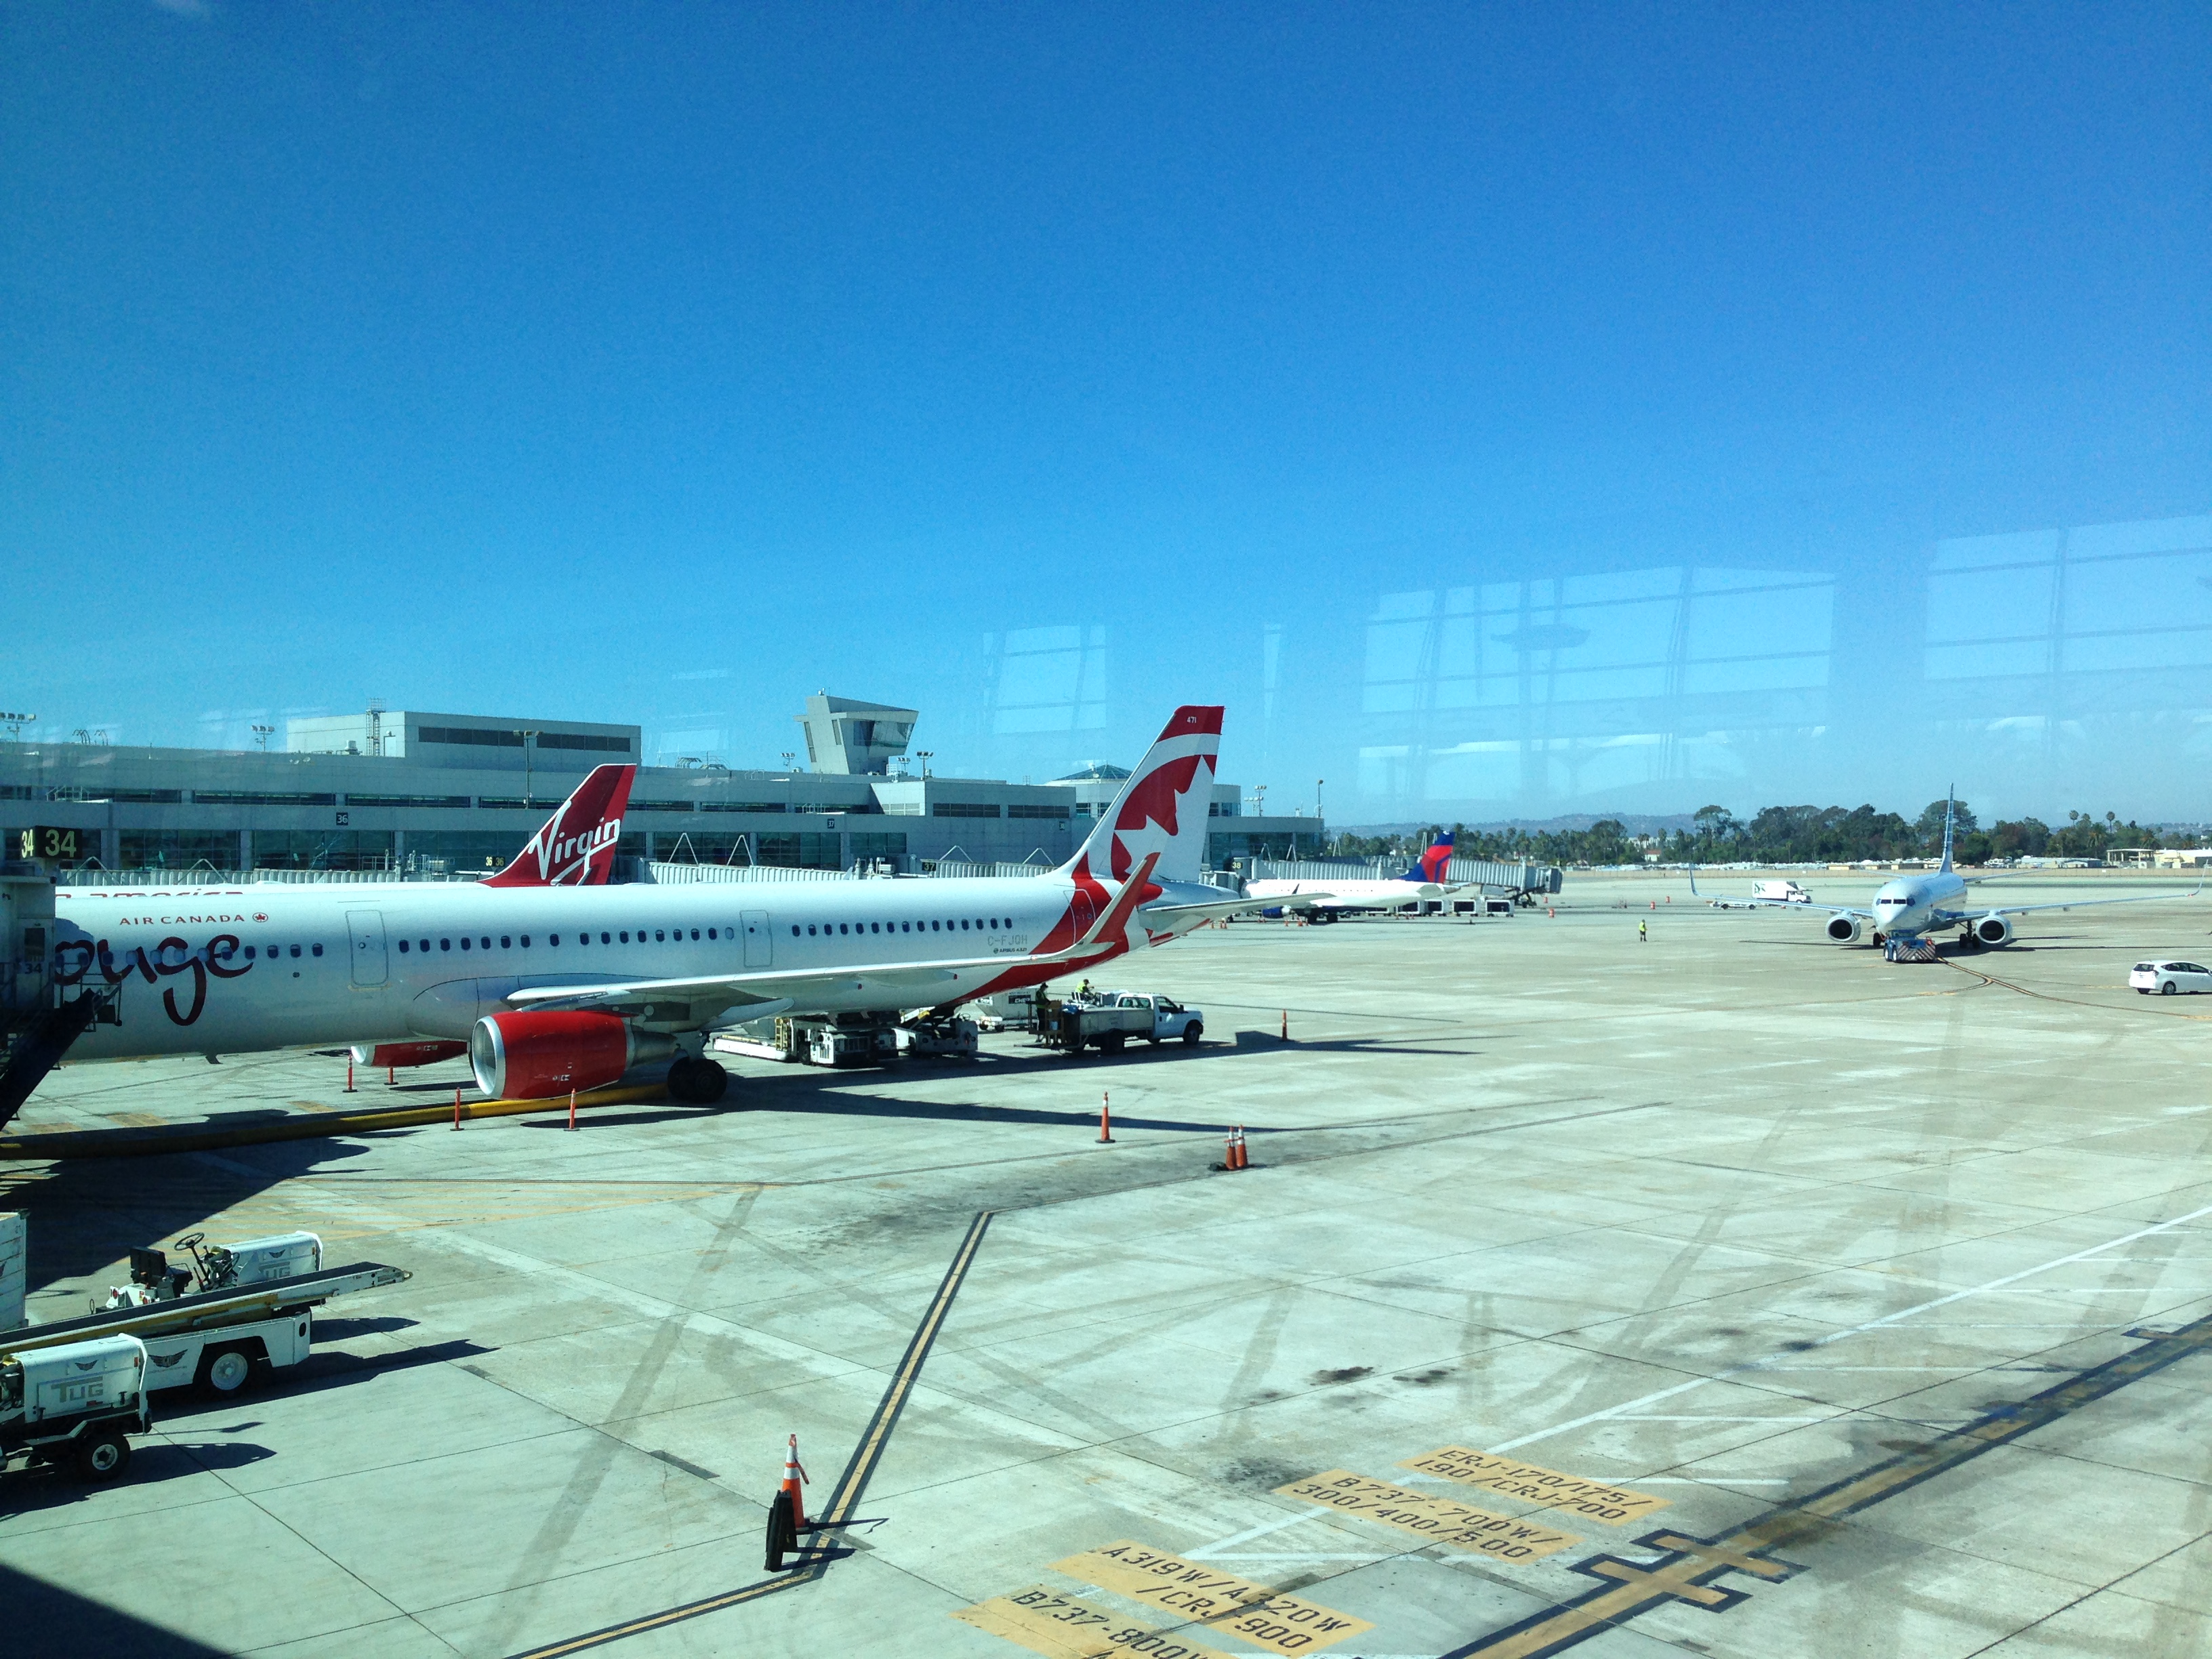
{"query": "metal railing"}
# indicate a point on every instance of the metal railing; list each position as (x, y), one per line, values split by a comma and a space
(714, 874)
(206, 876)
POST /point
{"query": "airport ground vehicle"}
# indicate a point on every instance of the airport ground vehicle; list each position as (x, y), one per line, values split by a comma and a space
(252, 1310)
(76, 1403)
(1108, 1020)
(848, 1040)
(2168, 978)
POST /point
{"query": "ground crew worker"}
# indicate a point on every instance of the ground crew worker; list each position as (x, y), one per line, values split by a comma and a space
(1643, 932)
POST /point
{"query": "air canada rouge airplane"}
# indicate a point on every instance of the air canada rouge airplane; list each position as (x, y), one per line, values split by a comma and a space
(557, 980)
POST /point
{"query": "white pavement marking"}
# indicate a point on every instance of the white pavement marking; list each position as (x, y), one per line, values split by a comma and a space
(1260, 1531)
(1654, 1398)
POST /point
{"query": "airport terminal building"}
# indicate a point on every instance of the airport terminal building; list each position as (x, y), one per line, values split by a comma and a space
(428, 793)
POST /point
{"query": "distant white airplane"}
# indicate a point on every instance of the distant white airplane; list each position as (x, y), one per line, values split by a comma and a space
(1325, 899)
(1908, 909)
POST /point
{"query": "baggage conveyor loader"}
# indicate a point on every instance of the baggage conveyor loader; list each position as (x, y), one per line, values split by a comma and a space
(219, 1339)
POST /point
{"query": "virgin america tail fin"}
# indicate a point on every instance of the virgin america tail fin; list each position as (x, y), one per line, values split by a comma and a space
(576, 847)
(1163, 808)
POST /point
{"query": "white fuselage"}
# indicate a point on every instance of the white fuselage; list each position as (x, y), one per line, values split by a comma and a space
(1911, 905)
(1350, 895)
(236, 969)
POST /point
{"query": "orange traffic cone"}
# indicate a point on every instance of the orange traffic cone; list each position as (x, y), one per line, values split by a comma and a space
(456, 1108)
(1106, 1117)
(1243, 1157)
(794, 1476)
(1286, 1025)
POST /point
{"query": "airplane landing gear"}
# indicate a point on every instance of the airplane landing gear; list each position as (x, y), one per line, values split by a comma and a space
(698, 1082)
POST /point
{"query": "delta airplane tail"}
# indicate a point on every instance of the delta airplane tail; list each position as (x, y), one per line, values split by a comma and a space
(1162, 809)
(576, 847)
(1436, 859)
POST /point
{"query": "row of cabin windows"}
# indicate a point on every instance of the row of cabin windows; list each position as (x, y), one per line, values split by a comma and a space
(508, 941)
(272, 952)
(981, 924)
(661, 935)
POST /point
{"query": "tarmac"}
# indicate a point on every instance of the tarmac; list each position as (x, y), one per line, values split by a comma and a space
(1727, 1293)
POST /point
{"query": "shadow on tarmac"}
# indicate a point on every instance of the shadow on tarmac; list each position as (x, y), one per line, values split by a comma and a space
(45, 1619)
(85, 1214)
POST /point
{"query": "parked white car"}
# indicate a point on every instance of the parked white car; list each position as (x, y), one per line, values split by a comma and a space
(2170, 978)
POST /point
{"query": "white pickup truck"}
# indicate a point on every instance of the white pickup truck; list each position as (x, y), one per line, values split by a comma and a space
(1107, 1020)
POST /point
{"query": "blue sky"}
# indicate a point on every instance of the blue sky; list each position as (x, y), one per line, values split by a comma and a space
(1038, 367)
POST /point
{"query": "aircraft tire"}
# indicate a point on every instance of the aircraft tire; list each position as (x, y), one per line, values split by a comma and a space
(710, 1082)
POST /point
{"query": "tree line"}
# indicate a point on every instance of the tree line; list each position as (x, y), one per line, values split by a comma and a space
(1787, 835)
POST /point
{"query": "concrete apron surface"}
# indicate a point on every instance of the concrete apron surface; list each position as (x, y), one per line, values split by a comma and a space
(1723, 1292)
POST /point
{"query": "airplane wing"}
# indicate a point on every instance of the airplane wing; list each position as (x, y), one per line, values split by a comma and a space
(1802, 907)
(687, 1003)
(2077, 904)
(1177, 915)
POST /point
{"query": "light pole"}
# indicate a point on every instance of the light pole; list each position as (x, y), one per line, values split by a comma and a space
(16, 723)
(261, 736)
(924, 755)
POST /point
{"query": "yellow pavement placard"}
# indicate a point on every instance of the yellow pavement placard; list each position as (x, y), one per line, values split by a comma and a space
(1434, 1519)
(1189, 1589)
(1615, 1506)
(1063, 1627)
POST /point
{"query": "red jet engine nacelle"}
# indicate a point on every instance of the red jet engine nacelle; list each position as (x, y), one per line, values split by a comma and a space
(537, 1056)
(386, 1055)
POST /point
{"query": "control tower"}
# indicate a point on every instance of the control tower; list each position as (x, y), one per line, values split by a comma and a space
(852, 738)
